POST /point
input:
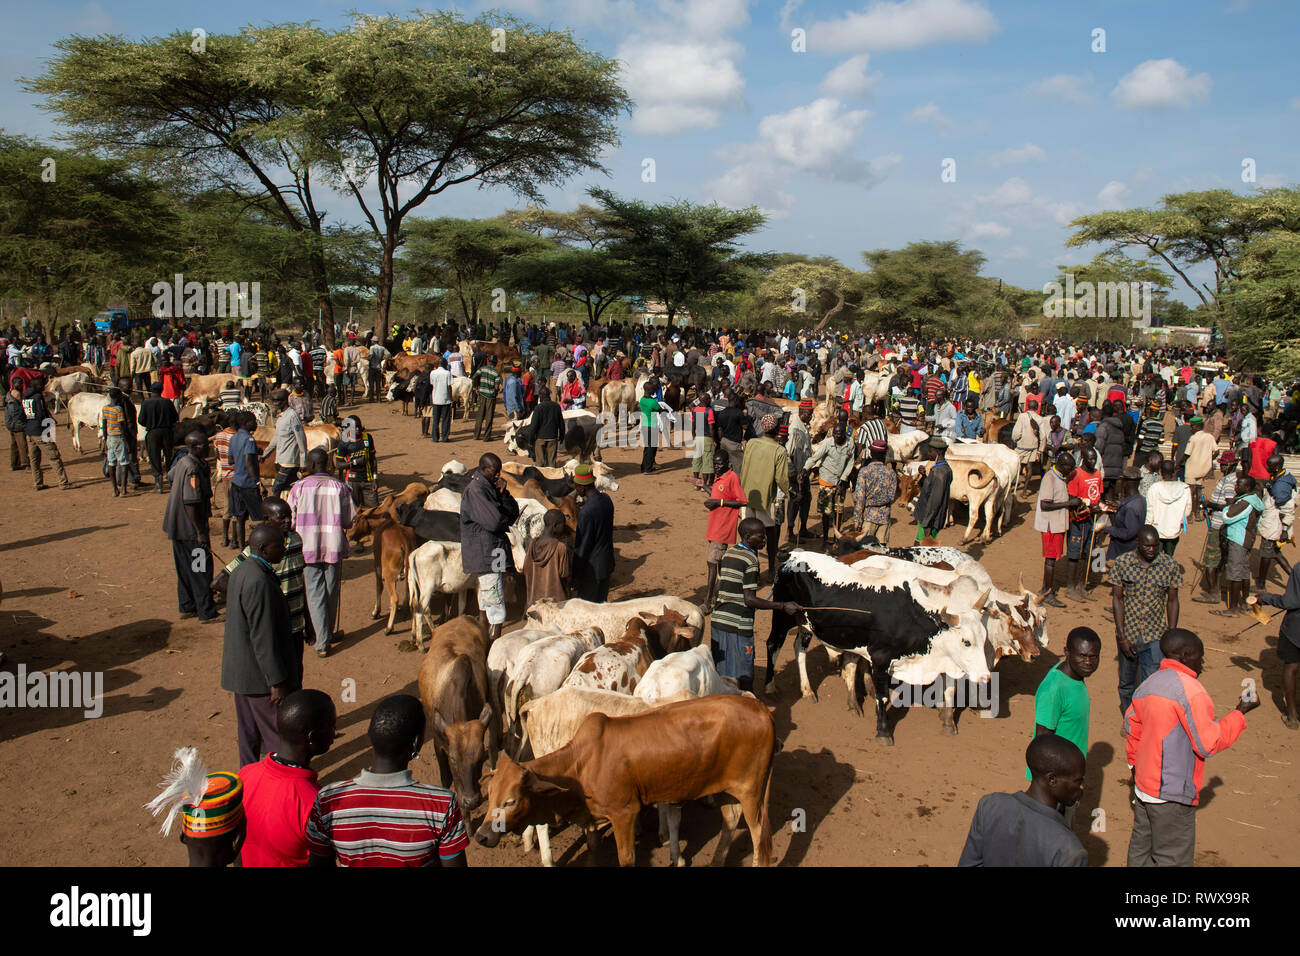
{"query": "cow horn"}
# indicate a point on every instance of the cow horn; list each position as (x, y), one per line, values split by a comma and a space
(982, 599)
(1020, 583)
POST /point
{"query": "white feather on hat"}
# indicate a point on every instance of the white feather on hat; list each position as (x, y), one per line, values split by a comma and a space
(186, 782)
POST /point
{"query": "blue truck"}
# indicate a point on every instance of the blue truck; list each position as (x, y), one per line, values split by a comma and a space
(116, 319)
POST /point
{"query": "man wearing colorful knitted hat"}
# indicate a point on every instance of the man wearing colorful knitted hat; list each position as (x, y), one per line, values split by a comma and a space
(211, 807)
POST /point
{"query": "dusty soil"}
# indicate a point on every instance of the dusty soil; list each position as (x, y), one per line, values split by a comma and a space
(89, 586)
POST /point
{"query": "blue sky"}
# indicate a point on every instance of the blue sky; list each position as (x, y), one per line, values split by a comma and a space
(843, 144)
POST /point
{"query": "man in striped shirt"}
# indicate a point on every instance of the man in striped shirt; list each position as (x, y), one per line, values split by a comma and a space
(288, 570)
(384, 817)
(322, 513)
(731, 627)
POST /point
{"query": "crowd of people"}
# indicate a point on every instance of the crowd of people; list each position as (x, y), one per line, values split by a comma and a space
(1125, 442)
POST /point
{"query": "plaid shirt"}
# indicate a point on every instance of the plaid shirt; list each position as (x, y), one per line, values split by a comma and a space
(1145, 594)
(877, 488)
(322, 513)
(289, 574)
(489, 380)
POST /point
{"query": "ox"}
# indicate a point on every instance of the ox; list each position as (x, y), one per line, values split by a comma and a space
(612, 616)
(897, 624)
(454, 692)
(393, 545)
(83, 412)
(579, 439)
(684, 674)
(541, 668)
(64, 387)
(616, 765)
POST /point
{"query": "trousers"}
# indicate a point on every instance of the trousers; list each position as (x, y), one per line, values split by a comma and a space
(1164, 834)
(193, 579)
(322, 583)
(440, 426)
(257, 726)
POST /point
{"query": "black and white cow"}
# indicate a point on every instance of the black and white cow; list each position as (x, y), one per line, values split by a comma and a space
(900, 626)
(582, 428)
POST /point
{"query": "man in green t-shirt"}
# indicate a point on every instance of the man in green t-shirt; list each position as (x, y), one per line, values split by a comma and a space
(1061, 701)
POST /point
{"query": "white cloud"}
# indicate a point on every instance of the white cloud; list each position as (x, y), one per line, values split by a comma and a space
(988, 230)
(788, 10)
(816, 139)
(1029, 153)
(707, 18)
(1111, 196)
(1161, 85)
(850, 79)
(1065, 88)
(681, 86)
(904, 25)
(930, 113)
(1013, 200)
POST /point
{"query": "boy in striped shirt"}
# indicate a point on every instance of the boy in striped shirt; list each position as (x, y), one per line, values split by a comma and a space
(731, 630)
(384, 817)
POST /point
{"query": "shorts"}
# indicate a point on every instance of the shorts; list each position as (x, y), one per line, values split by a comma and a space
(716, 552)
(491, 598)
(762, 514)
(117, 453)
(1238, 563)
(1078, 538)
(826, 500)
(1267, 548)
(1213, 555)
(1053, 544)
(733, 653)
(1287, 652)
(245, 502)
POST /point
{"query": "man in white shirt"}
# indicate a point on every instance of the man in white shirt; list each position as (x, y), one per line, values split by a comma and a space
(1064, 405)
(945, 416)
(440, 379)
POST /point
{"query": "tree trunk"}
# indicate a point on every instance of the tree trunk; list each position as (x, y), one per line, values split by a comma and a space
(833, 310)
(384, 290)
(321, 286)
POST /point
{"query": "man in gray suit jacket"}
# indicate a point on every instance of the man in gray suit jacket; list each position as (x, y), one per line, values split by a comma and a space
(261, 662)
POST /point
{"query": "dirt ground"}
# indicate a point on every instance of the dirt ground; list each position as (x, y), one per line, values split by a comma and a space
(89, 586)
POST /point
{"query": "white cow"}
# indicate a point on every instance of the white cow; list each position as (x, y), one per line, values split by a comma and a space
(65, 386)
(611, 616)
(684, 674)
(435, 568)
(542, 667)
(83, 412)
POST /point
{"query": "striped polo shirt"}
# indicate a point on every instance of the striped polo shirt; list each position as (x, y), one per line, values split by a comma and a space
(737, 574)
(386, 819)
(113, 420)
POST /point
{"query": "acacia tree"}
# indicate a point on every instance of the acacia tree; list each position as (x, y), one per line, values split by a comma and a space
(682, 251)
(1265, 302)
(814, 289)
(925, 284)
(400, 110)
(464, 255)
(76, 230)
(1195, 228)
(199, 111)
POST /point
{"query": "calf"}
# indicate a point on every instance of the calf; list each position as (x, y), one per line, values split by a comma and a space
(618, 665)
(393, 545)
(454, 692)
(616, 765)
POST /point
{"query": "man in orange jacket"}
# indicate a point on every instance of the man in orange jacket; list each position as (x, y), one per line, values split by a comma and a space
(1169, 730)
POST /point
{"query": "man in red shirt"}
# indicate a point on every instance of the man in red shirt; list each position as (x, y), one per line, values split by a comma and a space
(1085, 484)
(728, 497)
(280, 789)
(384, 817)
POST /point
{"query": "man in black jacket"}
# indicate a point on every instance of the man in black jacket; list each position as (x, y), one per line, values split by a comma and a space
(261, 661)
(41, 435)
(548, 428)
(487, 510)
(593, 548)
(158, 416)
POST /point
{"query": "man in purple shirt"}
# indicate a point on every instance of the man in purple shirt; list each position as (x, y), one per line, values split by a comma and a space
(322, 514)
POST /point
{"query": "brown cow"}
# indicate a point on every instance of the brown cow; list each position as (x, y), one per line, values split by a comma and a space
(531, 489)
(453, 690)
(318, 436)
(393, 545)
(618, 665)
(405, 363)
(616, 765)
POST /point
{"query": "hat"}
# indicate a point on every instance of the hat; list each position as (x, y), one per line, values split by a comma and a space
(769, 422)
(937, 442)
(210, 804)
(1195, 420)
(806, 404)
(878, 445)
(1228, 457)
(582, 475)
